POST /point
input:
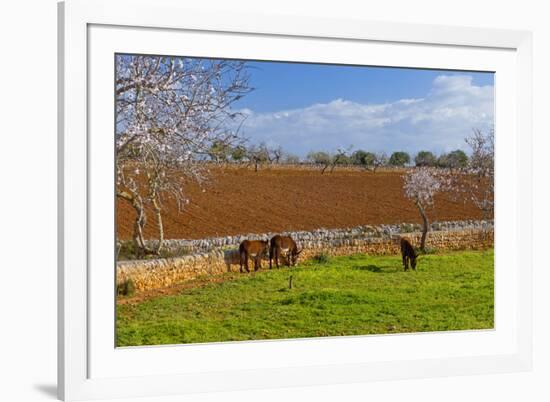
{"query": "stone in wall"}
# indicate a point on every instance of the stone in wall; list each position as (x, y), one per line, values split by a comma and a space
(184, 247)
(151, 274)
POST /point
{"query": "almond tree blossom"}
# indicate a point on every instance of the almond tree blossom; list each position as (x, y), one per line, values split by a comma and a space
(481, 166)
(421, 185)
(169, 112)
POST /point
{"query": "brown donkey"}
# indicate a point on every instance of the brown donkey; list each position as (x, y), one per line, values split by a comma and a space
(408, 253)
(255, 249)
(278, 244)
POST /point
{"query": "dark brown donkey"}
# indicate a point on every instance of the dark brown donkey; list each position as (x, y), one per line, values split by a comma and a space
(278, 244)
(408, 253)
(255, 249)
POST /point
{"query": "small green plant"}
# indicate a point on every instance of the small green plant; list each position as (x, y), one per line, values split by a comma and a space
(126, 288)
(126, 251)
(321, 258)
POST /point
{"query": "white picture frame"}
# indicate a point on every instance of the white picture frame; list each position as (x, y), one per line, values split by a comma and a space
(89, 366)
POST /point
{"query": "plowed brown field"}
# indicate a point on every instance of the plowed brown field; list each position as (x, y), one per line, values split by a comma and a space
(239, 201)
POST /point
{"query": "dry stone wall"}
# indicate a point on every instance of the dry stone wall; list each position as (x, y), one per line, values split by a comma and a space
(179, 247)
(158, 273)
(374, 240)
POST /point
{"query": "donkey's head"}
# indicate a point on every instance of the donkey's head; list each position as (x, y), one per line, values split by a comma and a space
(294, 254)
(413, 260)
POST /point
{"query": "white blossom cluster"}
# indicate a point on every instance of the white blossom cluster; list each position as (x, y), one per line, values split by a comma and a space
(423, 183)
(169, 112)
(481, 165)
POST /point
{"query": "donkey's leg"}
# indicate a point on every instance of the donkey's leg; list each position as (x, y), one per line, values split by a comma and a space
(277, 256)
(246, 261)
(241, 263)
(260, 257)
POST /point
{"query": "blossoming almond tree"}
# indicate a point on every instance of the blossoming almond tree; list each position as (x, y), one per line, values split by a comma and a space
(169, 112)
(481, 167)
(421, 185)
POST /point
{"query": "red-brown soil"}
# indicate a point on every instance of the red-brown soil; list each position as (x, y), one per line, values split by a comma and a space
(240, 201)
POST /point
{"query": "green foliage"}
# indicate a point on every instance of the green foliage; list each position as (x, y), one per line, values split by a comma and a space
(371, 159)
(321, 258)
(459, 158)
(239, 153)
(425, 158)
(322, 158)
(258, 153)
(363, 158)
(399, 159)
(357, 158)
(126, 288)
(126, 251)
(453, 160)
(220, 151)
(352, 295)
(341, 159)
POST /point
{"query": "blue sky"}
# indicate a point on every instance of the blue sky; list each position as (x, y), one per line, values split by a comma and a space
(305, 107)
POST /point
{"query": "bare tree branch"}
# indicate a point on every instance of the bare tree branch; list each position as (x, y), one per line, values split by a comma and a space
(170, 112)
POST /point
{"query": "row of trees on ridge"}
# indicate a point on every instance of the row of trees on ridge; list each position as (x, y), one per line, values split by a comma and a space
(261, 154)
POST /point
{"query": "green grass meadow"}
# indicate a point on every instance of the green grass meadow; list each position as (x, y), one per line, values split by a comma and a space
(352, 295)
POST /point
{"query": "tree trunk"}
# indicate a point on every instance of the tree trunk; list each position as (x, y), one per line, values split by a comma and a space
(424, 227)
(156, 207)
(135, 200)
(139, 224)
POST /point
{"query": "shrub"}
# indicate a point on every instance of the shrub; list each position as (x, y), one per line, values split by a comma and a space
(321, 258)
(126, 288)
(126, 251)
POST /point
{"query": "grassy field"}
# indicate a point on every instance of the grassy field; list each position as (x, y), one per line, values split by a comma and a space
(352, 295)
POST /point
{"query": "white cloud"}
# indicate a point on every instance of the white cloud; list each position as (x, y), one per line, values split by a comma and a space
(438, 122)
